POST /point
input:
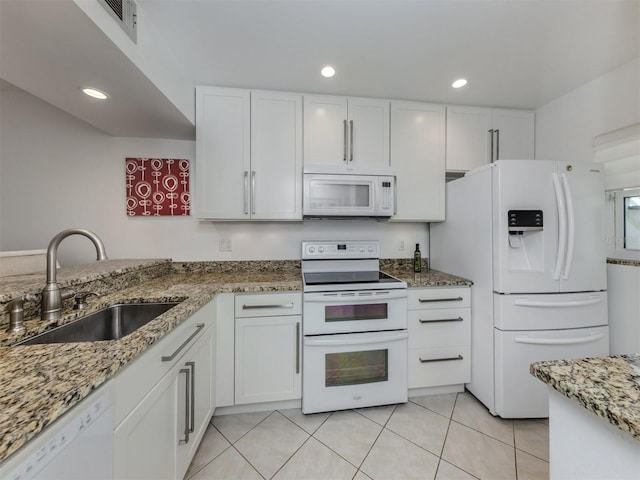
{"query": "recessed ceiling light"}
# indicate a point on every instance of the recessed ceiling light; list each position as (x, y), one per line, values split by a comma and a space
(328, 71)
(95, 93)
(461, 82)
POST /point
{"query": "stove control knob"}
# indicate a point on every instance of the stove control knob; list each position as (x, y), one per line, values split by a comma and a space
(312, 249)
(320, 249)
(361, 249)
(370, 248)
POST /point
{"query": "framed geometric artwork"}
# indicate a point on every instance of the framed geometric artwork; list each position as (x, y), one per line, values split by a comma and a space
(157, 187)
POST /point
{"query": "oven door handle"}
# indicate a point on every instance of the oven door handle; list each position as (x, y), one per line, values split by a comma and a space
(327, 342)
(352, 298)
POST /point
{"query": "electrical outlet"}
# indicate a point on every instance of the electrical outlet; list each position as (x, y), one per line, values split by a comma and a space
(224, 245)
(401, 245)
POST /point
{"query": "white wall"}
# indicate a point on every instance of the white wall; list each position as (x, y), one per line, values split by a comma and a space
(566, 127)
(57, 172)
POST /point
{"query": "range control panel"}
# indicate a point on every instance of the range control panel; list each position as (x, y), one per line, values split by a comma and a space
(525, 221)
(340, 250)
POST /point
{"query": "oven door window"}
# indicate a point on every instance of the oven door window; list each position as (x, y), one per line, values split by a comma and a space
(363, 311)
(355, 368)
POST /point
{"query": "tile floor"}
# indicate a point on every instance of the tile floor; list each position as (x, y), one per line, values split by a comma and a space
(439, 437)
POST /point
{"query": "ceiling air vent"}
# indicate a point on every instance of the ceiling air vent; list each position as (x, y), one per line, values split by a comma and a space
(124, 12)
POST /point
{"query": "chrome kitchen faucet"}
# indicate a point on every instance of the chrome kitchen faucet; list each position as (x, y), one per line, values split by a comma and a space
(52, 296)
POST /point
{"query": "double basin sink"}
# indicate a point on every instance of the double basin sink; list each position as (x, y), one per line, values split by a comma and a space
(110, 323)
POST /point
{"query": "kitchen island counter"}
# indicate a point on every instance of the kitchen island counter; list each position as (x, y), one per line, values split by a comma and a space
(594, 417)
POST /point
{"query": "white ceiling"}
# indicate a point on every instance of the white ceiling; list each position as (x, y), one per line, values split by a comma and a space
(515, 53)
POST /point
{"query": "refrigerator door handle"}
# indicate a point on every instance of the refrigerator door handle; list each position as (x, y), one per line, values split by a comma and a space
(571, 224)
(574, 303)
(562, 227)
(559, 341)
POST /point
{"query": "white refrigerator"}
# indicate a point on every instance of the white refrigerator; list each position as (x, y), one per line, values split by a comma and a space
(529, 234)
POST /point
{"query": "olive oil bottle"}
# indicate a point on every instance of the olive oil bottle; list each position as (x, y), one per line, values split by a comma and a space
(417, 259)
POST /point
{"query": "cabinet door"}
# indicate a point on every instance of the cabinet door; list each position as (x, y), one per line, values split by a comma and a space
(222, 153)
(268, 359)
(418, 160)
(325, 130)
(200, 363)
(276, 156)
(368, 133)
(516, 137)
(468, 139)
(144, 444)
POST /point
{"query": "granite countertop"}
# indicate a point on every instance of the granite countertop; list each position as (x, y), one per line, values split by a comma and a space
(39, 383)
(606, 386)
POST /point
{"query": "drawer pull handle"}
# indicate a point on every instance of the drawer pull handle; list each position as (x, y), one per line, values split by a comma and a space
(441, 320)
(297, 347)
(187, 372)
(168, 358)
(256, 307)
(446, 359)
(430, 300)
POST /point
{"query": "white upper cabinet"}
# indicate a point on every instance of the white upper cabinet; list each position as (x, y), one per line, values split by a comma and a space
(418, 160)
(477, 136)
(223, 152)
(249, 154)
(345, 134)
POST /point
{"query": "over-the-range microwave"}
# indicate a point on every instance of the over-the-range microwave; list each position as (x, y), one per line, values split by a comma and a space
(348, 195)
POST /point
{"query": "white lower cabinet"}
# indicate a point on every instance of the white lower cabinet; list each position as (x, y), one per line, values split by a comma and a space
(439, 336)
(159, 436)
(268, 357)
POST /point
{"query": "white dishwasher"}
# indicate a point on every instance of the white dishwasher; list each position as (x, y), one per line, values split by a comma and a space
(78, 445)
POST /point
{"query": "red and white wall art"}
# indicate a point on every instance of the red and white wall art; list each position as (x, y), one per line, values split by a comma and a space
(157, 187)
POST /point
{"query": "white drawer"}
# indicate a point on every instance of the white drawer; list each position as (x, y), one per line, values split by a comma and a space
(431, 367)
(439, 297)
(439, 327)
(268, 304)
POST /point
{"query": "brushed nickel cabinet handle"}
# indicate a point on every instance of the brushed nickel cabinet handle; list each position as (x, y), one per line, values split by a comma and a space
(168, 358)
(344, 136)
(187, 372)
(297, 347)
(192, 421)
(253, 192)
(497, 144)
(246, 192)
(351, 141)
(431, 300)
(446, 359)
(256, 307)
(441, 320)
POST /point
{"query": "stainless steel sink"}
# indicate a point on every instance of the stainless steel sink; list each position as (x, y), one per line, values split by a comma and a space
(111, 323)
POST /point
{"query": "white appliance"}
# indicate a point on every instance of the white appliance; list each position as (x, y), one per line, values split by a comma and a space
(349, 195)
(529, 234)
(354, 326)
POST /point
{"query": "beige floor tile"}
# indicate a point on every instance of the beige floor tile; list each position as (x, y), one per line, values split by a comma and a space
(349, 434)
(442, 404)
(479, 454)
(446, 471)
(470, 412)
(270, 444)
(380, 415)
(420, 425)
(361, 476)
(530, 467)
(393, 457)
(212, 445)
(310, 423)
(228, 466)
(235, 426)
(532, 437)
(314, 461)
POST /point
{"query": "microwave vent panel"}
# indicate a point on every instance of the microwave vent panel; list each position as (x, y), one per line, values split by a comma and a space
(124, 12)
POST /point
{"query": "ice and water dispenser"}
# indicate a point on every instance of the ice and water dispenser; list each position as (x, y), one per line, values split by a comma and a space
(526, 245)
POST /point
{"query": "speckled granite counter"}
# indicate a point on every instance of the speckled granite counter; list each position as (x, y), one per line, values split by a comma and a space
(622, 261)
(40, 383)
(606, 386)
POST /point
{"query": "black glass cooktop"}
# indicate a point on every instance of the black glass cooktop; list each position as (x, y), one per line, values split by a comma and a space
(339, 278)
